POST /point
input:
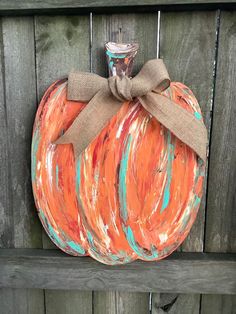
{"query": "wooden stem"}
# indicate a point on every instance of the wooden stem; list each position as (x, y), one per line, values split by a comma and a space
(120, 58)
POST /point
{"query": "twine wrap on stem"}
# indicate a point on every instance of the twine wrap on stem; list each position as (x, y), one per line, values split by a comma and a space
(105, 97)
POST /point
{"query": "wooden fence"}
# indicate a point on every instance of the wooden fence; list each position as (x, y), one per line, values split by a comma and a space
(198, 43)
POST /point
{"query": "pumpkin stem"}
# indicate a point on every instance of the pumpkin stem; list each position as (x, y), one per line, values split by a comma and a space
(120, 58)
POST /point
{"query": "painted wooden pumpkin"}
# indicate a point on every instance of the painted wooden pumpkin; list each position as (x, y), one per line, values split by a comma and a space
(135, 191)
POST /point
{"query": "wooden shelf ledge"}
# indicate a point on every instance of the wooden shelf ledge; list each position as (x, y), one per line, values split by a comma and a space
(180, 273)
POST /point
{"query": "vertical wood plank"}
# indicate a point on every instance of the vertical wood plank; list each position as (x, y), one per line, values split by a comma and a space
(221, 204)
(141, 28)
(62, 43)
(189, 54)
(120, 303)
(20, 226)
(68, 302)
(174, 303)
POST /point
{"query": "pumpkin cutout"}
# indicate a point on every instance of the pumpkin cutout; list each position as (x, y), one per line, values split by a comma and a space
(135, 191)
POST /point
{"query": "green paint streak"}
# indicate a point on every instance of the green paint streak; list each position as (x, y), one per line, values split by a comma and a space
(113, 55)
(122, 180)
(78, 178)
(111, 63)
(139, 251)
(53, 235)
(170, 152)
(197, 115)
(76, 247)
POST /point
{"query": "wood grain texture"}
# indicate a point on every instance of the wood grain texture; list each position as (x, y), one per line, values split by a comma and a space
(190, 59)
(221, 204)
(189, 55)
(179, 273)
(221, 215)
(68, 302)
(175, 303)
(218, 304)
(120, 303)
(62, 43)
(74, 6)
(20, 226)
(132, 28)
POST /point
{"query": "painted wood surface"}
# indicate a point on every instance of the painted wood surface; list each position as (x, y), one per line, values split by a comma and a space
(19, 224)
(132, 28)
(187, 57)
(180, 272)
(221, 202)
(62, 43)
(134, 192)
(12, 299)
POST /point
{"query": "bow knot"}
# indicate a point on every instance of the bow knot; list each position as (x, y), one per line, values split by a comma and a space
(120, 87)
(105, 97)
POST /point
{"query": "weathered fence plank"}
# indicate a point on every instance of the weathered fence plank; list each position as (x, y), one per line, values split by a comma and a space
(68, 302)
(74, 6)
(221, 204)
(120, 303)
(175, 303)
(179, 273)
(62, 43)
(132, 28)
(189, 55)
(19, 224)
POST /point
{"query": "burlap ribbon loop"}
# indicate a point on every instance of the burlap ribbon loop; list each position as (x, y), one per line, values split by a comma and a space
(105, 97)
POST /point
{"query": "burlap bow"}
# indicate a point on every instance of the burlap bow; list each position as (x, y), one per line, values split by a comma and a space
(105, 97)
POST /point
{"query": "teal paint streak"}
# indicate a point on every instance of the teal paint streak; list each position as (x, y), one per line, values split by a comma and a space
(123, 205)
(139, 251)
(122, 180)
(78, 177)
(57, 240)
(90, 237)
(53, 235)
(113, 55)
(76, 247)
(170, 152)
(196, 201)
(197, 115)
(111, 63)
(34, 149)
(57, 175)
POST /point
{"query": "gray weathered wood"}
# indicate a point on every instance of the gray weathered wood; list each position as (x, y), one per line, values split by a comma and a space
(190, 61)
(189, 55)
(133, 28)
(68, 302)
(62, 43)
(62, 6)
(175, 303)
(19, 223)
(218, 304)
(120, 303)
(221, 215)
(179, 273)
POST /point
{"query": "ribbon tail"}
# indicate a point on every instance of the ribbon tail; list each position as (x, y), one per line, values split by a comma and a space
(179, 121)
